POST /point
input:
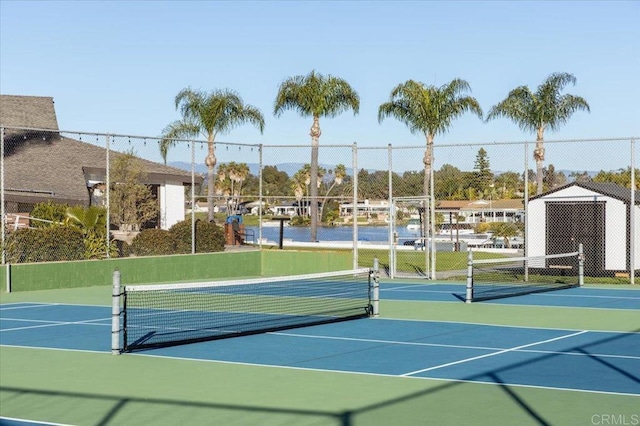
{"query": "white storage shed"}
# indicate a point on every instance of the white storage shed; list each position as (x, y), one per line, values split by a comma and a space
(598, 215)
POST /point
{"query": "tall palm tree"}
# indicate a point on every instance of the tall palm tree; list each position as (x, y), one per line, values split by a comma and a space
(535, 112)
(317, 96)
(429, 110)
(209, 114)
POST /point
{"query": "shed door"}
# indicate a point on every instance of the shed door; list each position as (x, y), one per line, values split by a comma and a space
(569, 224)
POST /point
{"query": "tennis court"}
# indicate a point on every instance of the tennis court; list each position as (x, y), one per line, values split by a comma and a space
(428, 359)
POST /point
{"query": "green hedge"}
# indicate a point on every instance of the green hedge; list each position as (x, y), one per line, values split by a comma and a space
(45, 245)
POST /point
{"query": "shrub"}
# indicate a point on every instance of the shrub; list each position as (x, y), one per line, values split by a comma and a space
(300, 221)
(152, 242)
(50, 212)
(209, 236)
(45, 244)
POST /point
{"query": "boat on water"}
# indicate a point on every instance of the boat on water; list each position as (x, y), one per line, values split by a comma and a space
(273, 223)
(414, 225)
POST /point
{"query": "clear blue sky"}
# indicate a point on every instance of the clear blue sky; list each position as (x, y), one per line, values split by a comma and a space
(116, 66)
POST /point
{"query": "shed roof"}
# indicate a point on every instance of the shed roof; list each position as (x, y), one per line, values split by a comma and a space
(608, 189)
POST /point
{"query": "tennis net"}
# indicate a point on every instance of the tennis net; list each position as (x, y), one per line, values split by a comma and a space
(489, 279)
(171, 314)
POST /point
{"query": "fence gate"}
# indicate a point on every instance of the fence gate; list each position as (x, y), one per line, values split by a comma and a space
(411, 253)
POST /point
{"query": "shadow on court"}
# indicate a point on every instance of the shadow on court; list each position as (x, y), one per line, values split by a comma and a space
(451, 402)
(412, 408)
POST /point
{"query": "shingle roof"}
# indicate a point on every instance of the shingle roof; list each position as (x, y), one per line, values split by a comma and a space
(612, 190)
(57, 168)
(43, 166)
(34, 112)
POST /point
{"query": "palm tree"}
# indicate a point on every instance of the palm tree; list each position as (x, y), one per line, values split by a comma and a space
(535, 112)
(339, 173)
(429, 110)
(92, 221)
(230, 178)
(317, 96)
(209, 114)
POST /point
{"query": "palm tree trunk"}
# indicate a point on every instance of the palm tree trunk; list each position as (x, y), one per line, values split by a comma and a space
(210, 161)
(315, 141)
(428, 163)
(538, 156)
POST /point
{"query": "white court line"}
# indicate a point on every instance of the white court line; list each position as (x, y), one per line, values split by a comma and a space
(30, 306)
(31, 422)
(361, 373)
(414, 287)
(492, 354)
(444, 345)
(52, 323)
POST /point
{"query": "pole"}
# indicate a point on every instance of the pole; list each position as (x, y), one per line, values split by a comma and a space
(469, 295)
(8, 277)
(354, 161)
(632, 217)
(115, 314)
(580, 265)
(375, 296)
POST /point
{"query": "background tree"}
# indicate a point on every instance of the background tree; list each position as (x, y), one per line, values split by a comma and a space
(504, 230)
(299, 185)
(231, 177)
(429, 110)
(620, 177)
(315, 95)
(552, 179)
(274, 182)
(131, 201)
(209, 114)
(535, 112)
(581, 176)
(411, 184)
(447, 181)
(482, 171)
(335, 178)
(509, 184)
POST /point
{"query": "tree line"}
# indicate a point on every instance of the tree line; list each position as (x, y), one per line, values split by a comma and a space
(450, 183)
(425, 109)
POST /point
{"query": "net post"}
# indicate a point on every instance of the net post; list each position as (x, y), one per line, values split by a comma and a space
(115, 314)
(580, 265)
(375, 297)
(8, 276)
(469, 294)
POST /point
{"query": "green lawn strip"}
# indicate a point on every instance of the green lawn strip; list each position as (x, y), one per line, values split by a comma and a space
(90, 388)
(515, 315)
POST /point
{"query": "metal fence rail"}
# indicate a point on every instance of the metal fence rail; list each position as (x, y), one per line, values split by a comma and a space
(475, 190)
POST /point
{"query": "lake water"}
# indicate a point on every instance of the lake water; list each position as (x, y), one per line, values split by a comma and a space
(376, 234)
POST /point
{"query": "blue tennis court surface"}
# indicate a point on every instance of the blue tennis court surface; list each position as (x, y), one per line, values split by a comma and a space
(581, 360)
(579, 297)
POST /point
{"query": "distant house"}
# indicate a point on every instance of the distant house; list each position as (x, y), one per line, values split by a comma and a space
(478, 211)
(40, 164)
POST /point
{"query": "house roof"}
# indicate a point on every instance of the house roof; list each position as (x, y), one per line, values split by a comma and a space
(47, 166)
(33, 112)
(501, 204)
(612, 190)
